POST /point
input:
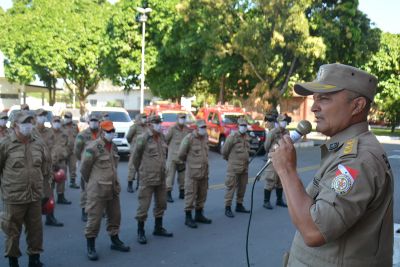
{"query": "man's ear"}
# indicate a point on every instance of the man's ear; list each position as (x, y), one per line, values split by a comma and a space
(359, 105)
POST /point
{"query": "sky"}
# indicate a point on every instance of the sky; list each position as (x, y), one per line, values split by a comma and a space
(384, 13)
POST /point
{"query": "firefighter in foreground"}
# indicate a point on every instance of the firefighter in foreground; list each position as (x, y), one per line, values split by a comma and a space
(236, 152)
(194, 150)
(99, 170)
(149, 159)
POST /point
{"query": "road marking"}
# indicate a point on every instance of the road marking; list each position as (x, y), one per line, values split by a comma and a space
(394, 157)
(251, 180)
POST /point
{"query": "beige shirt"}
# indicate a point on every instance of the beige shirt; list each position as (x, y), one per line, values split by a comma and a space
(83, 139)
(174, 139)
(72, 130)
(60, 148)
(134, 131)
(353, 204)
(149, 157)
(99, 170)
(236, 151)
(24, 170)
(194, 150)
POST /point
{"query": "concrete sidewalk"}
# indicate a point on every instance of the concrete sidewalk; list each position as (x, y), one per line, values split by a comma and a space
(382, 139)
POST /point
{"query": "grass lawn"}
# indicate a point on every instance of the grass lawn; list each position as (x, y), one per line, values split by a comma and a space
(385, 131)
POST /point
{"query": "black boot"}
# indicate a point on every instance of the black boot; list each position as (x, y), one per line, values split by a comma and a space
(181, 193)
(141, 238)
(72, 184)
(84, 216)
(130, 187)
(228, 212)
(159, 230)
(91, 249)
(62, 200)
(279, 200)
(169, 197)
(199, 217)
(13, 261)
(267, 197)
(34, 261)
(241, 208)
(52, 221)
(117, 244)
(189, 220)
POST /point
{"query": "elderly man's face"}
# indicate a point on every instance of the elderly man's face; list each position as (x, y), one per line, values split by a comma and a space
(333, 112)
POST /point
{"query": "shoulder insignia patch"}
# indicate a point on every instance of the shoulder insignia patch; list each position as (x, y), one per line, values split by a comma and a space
(344, 179)
(89, 153)
(333, 146)
(99, 146)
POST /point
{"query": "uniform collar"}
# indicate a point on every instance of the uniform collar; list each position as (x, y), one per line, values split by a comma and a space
(14, 138)
(337, 140)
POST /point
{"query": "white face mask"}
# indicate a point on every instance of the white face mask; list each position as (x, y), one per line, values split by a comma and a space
(3, 122)
(109, 136)
(93, 125)
(181, 121)
(144, 120)
(242, 129)
(283, 124)
(56, 125)
(157, 127)
(41, 119)
(67, 120)
(202, 131)
(25, 128)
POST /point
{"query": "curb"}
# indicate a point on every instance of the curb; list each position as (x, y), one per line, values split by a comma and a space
(381, 138)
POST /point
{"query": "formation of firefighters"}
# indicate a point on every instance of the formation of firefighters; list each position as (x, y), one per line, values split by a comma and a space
(35, 160)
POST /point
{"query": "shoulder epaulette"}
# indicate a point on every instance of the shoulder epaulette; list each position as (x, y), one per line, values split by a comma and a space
(349, 148)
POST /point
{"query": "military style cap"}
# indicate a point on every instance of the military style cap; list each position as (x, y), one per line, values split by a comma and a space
(107, 125)
(155, 119)
(242, 121)
(201, 123)
(281, 117)
(93, 117)
(41, 112)
(68, 115)
(24, 107)
(3, 115)
(336, 77)
(56, 118)
(22, 116)
(182, 115)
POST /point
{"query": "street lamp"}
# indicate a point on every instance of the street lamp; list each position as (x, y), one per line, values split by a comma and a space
(142, 19)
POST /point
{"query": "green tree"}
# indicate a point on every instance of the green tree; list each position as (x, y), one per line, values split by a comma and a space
(346, 31)
(385, 64)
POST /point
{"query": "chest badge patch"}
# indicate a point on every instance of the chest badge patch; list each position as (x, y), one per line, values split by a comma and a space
(344, 179)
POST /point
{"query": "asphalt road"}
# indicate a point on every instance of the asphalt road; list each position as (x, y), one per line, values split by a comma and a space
(220, 244)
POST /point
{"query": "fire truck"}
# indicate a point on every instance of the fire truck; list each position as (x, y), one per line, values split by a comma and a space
(221, 120)
(169, 114)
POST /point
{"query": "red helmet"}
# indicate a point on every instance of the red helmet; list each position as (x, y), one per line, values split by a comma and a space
(48, 207)
(59, 176)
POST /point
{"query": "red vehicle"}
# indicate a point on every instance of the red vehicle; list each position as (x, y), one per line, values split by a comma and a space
(222, 120)
(169, 113)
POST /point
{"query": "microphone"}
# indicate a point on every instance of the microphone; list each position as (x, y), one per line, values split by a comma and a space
(303, 127)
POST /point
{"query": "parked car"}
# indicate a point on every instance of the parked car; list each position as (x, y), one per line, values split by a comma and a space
(132, 113)
(121, 121)
(169, 114)
(221, 120)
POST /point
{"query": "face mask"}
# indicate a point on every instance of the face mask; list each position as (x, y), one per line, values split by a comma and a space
(157, 127)
(144, 121)
(93, 125)
(41, 119)
(202, 131)
(25, 128)
(181, 121)
(109, 136)
(242, 129)
(67, 120)
(283, 124)
(56, 125)
(276, 125)
(3, 122)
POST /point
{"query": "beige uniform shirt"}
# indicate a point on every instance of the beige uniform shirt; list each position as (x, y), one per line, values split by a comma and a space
(72, 131)
(24, 170)
(4, 131)
(47, 136)
(194, 150)
(353, 204)
(149, 158)
(174, 139)
(236, 151)
(60, 147)
(83, 139)
(134, 131)
(99, 170)
(272, 139)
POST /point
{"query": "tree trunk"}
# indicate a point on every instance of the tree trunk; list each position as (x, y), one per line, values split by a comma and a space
(82, 102)
(221, 97)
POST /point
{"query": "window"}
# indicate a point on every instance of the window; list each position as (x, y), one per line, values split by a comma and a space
(93, 102)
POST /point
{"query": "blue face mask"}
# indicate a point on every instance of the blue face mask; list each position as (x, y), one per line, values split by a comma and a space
(109, 136)
(25, 128)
